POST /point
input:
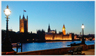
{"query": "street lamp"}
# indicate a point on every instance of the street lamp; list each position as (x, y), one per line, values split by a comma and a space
(6, 44)
(7, 13)
(83, 41)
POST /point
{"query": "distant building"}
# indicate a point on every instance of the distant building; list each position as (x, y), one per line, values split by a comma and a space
(9, 29)
(51, 31)
(41, 34)
(23, 24)
(60, 32)
(64, 30)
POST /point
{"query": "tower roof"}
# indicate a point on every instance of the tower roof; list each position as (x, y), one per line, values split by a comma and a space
(49, 25)
(63, 26)
(23, 16)
(49, 28)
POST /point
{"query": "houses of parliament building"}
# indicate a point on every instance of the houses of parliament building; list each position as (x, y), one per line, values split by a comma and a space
(50, 35)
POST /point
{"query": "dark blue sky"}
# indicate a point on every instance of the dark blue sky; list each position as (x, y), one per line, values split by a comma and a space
(56, 13)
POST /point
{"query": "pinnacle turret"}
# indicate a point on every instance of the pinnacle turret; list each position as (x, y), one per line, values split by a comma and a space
(23, 17)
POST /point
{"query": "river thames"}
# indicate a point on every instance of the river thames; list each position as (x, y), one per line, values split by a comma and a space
(35, 46)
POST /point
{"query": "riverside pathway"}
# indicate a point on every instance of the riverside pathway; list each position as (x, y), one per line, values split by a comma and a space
(89, 52)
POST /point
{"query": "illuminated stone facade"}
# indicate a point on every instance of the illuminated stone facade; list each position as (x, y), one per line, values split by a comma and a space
(59, 37)
(23, 24)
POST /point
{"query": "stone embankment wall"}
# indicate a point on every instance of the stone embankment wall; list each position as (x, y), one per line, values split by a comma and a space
(47, 52)
(59, 51)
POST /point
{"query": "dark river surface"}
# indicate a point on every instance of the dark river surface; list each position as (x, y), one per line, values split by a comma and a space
(48, 45)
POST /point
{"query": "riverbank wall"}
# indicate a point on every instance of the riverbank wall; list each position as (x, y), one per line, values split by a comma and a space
(58, 51)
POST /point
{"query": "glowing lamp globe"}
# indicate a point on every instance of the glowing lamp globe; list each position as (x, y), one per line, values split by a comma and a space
(7, 11)
(82, 26)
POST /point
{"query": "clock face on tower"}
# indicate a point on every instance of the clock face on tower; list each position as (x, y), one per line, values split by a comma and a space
(63, 29)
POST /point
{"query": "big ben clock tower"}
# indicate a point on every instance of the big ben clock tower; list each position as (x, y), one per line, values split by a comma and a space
(63, 30)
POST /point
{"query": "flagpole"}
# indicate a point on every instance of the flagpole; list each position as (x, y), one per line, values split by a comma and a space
(23, 12)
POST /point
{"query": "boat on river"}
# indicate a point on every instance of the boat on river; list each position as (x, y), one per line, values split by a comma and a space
(14, 45)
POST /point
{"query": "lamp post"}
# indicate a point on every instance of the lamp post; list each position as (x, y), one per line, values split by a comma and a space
(83, 41)
(6, 44)
(7, 13)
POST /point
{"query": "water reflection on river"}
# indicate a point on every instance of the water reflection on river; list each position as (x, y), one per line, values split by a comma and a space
(48, 45)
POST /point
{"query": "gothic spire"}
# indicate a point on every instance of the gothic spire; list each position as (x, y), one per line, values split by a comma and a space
(63, 26)
(23, 16)
(49, 28)
(27, 17)
(20, 17)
